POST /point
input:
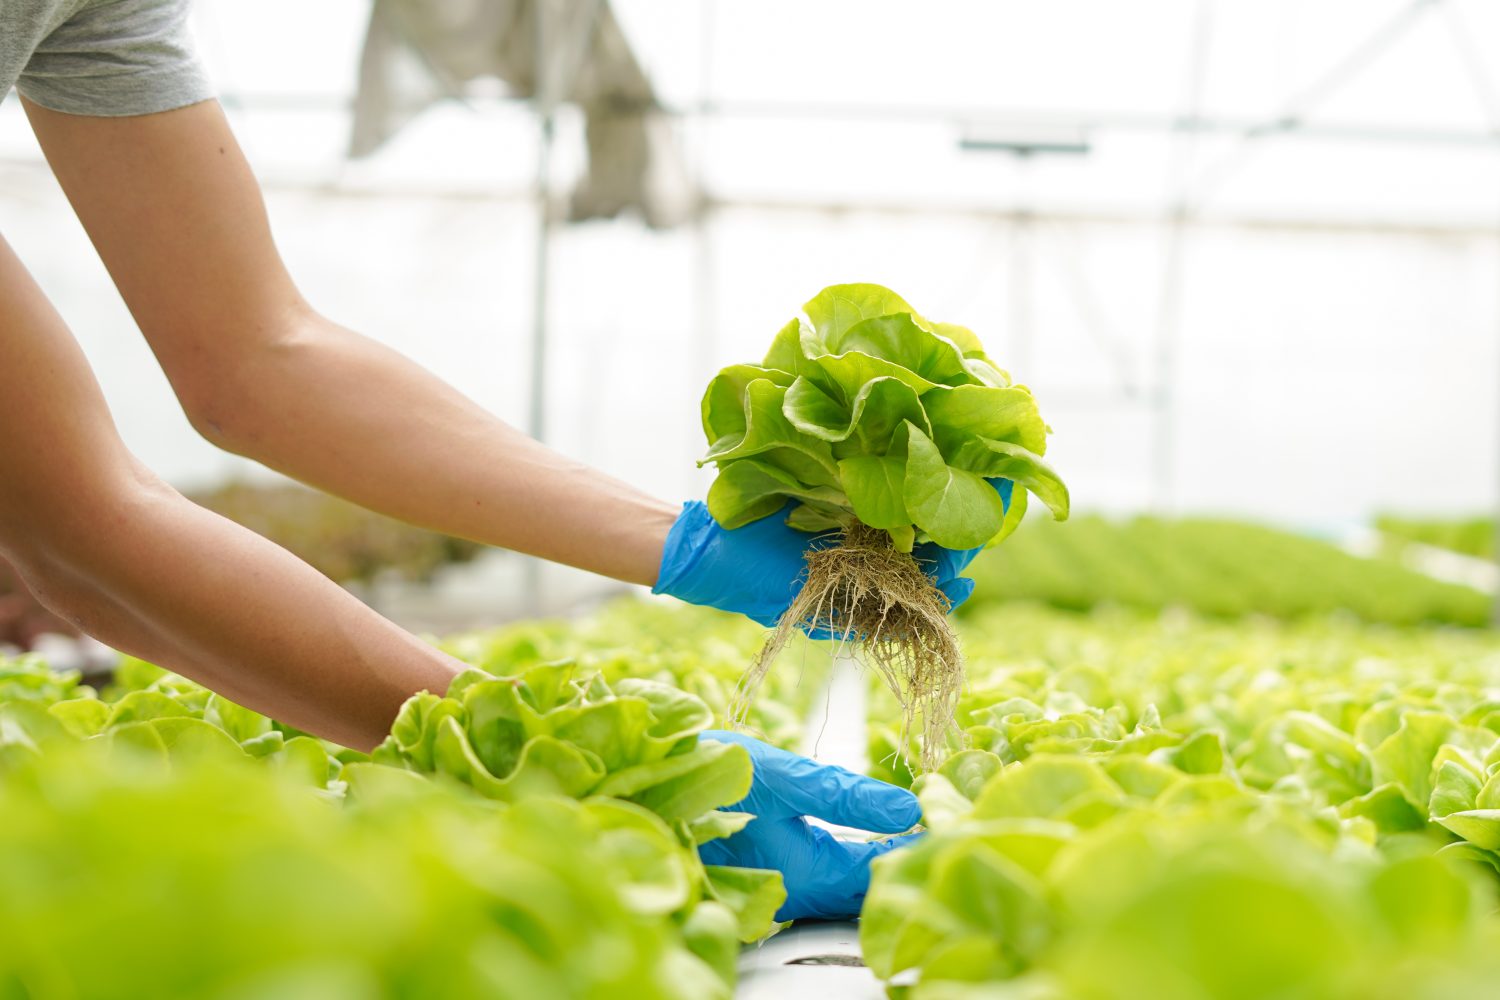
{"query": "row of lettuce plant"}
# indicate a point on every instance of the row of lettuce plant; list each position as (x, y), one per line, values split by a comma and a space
(544, 822)
(1225, 569)
(1175, 808)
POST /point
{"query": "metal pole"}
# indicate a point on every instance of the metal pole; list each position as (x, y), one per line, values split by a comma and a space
(536, 420)
(1022, 268)
(1488, 97)
(1022, 243)
(536, 413)
(551, 83)
(1169, 307)
(705, 354)
(1288, 118)
(1495, 608)
(1086, 305)
(1164, 390)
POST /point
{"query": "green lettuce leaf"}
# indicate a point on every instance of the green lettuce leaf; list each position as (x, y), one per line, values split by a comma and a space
(957, 509)
(826, 423)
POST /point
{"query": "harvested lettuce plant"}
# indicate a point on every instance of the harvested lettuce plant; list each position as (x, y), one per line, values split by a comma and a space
(881, 431)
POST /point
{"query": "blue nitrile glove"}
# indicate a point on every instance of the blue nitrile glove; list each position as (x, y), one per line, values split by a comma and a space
(758, 569)
(826, 878)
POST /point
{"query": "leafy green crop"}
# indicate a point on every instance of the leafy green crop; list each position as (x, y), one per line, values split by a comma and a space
(1203, 811)
(28, 678)
(551, 731)
(555, 731)
(216, 879)
(586, 801)
(1125, 877)
(1471, 536)
(1226, 569)
(699, 650)
(1148, 807)
(864, 410)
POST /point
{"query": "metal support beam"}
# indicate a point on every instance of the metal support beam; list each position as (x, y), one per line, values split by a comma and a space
(1025, 146)
(1290, 118)
(1495, 607)
(536, 419)
(551, 82)
(1488, 96)
(1086, 306)
(705, 356)
(1082, 122)
(1169, 304)
(1019, 292)
(1164, 384)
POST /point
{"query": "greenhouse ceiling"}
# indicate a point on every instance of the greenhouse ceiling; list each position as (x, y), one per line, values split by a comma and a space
(1338, 111)
(1330, 112)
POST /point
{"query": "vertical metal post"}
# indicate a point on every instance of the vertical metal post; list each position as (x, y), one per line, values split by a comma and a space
(536, 414)
(1169, 306)
(551, 83)
(1488, 96)
(705, 352)
(1164, 388)
(536, 419)
(1020, 297)
(1022, 247)
(1495, 608)
(1022, 268)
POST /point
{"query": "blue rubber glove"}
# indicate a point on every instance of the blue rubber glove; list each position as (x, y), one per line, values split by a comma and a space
(758, 569)
(826, 878)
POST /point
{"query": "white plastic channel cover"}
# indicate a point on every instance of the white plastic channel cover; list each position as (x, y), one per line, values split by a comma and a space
(820, 961)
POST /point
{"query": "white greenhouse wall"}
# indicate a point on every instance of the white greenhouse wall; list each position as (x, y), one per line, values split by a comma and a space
(1322, 374)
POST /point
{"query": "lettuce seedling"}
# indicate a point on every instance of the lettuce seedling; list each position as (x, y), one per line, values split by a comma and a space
(886, 431)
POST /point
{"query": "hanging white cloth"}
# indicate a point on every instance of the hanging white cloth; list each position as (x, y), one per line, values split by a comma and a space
(417, 52)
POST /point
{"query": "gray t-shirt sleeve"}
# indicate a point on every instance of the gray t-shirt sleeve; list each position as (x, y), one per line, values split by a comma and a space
(116, 58)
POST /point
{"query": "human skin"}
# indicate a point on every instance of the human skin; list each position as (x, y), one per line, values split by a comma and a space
(175, 213)
(22, 619)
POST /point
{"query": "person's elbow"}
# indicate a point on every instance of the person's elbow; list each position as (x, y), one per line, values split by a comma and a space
(235, 397)
(223, 414)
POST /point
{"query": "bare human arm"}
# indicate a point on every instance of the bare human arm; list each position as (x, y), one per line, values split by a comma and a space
(117, 552)
(177, 216)
(22, 617)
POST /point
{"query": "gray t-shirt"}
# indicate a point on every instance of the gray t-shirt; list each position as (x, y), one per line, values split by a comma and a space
(100, 57)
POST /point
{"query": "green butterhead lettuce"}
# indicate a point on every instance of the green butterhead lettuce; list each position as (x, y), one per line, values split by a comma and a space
(865, 411)
(257, 888)
(556, 730)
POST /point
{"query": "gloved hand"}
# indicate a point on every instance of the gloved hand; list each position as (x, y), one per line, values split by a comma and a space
(758, 569)
(825, 877)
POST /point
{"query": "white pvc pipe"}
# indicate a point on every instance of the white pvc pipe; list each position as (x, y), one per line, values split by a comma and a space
(820, 961)
(834, 730)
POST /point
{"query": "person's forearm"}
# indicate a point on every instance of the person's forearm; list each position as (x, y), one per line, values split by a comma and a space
(343, 413)
(22, 618)
(161, 578)
(176, 214)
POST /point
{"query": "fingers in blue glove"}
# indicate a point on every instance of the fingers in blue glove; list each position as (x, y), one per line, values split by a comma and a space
(957, 591)
(758, 568)
(943, 565)
(826, 878)
(788, 784)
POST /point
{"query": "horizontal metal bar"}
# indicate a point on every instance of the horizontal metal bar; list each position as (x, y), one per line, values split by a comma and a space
(970, 116)
(1483, 227)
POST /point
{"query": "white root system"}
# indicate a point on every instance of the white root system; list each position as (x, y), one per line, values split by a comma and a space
(877, 603)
